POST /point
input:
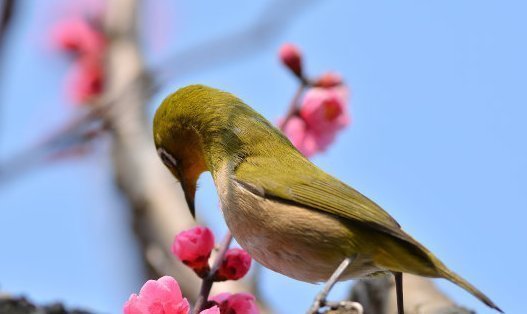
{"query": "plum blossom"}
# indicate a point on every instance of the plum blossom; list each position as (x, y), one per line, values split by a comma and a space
(76, 34)
(303, 139)
(312, 125)
(86, 79)
(193, 248)
(85, 40)
(324, 109)
(238, 303)
(321, 115)
(162, 296)
(235, 265)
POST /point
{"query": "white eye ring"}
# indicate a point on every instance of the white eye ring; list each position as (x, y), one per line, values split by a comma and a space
(167, 159)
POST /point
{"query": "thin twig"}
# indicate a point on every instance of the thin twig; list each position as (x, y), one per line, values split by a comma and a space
(320, 299)
(7, 9)
(294, 106)
(5, 16)
(206, 284)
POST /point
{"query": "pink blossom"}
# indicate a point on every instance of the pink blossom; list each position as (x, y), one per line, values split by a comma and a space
(193, 247)
(235, 265)
(324, 109)
(78, 35)
(162, 296)
(86, 79)
(295, 129)
(323, 113)
(305, 140)
(292, 58)
(238, 303)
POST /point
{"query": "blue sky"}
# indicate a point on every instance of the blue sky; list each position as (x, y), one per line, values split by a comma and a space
(438, 139)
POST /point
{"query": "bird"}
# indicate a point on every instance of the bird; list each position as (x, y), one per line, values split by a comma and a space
(287, 213)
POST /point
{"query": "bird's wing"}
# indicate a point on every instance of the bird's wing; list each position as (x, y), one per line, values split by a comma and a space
(298, 181)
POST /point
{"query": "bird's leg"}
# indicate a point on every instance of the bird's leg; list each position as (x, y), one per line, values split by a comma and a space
(399, 291)
(320, 299)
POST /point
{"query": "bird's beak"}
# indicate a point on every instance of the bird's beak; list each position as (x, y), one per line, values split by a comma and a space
(190, 193)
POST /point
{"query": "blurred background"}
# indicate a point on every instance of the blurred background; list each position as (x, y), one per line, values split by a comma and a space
(437, 136)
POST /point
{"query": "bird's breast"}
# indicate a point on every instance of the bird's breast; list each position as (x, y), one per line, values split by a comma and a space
(298, 242)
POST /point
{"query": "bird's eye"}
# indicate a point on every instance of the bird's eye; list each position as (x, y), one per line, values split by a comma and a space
(167, 159)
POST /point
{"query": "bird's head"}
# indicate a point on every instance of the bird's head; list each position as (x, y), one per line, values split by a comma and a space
(179, 141)
(199, 128)
(184, 158)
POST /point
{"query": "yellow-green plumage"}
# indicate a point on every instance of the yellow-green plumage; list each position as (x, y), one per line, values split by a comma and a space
(287, 213)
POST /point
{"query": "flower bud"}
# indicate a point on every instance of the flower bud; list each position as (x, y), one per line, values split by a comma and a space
(193, 248)
(292, 58)
(235, 265)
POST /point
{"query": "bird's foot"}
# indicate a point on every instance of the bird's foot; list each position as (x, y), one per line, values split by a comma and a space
(320, 302)
(324, 306)
(345, 307)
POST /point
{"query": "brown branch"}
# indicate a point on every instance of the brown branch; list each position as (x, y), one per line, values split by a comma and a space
(421, 296)
(294, 106)
(159, 208)
(206, 284)
(6, 16)
(7, 8)
(21, 305)
(150, 191)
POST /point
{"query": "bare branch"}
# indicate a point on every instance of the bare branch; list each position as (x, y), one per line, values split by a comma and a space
(421, 296)
(159, 208)
(6, 15)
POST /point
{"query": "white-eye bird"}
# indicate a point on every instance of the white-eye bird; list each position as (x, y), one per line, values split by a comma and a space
(291, 216)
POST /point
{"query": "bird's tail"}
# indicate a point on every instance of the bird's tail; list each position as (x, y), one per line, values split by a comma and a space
(455, 278)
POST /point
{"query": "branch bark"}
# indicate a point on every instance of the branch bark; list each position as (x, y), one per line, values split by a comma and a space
(159, 207)
(421, 296)
(7, 9)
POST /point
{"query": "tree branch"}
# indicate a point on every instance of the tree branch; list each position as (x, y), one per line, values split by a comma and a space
(421, 296)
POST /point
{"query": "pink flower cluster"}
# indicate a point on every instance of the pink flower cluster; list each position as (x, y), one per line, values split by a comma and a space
(163, 296)
(158, 296)
(193, 248)
(85, 41)
(323, 109)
